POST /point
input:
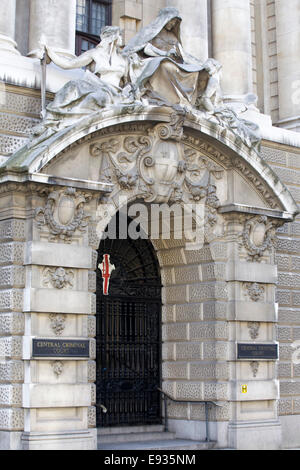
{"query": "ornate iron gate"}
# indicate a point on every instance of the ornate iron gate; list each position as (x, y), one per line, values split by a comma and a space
(128, 335)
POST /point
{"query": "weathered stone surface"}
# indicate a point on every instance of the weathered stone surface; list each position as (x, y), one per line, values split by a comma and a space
(189, 351)
(12, 276)
(11, 419)
(212, 330)
(12, 230)
(63, 255)
(11, 300)
(92, 417)
(175, 370)
(285, 406)
(56, 301)
(11, 371)
(173, 332)
(60, 395)
(12, 324)
(188, 312)
(10, 396)
(11, 347)
(209, 370)
(11, 253)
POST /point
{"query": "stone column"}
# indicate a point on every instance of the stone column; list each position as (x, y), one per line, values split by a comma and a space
(194, 29)
(288, 50)
(52, 22)
(7, 28)
(231, 32)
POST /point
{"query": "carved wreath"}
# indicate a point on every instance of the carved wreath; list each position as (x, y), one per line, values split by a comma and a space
(254, 251)
(50, 214)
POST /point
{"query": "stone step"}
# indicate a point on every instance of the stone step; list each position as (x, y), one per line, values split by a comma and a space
(130, 429)
(168, 444)
(135, 437)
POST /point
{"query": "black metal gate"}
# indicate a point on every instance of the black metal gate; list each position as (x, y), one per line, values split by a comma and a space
(128, 335)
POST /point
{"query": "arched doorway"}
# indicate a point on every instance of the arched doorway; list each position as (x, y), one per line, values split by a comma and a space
(129, 334)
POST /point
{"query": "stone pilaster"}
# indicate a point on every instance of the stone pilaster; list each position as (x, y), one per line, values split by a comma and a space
(288, 53)
(231, 32)
(7, 28)
(128, 15)
(58, 394)
(252, 313)
(52, 22)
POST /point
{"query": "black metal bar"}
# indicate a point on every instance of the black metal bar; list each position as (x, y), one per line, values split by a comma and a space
(166, 396)
(165, 413)
(128, 327)
(206, 421)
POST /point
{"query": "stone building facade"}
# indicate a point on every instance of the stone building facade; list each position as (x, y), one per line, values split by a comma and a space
(241, 287)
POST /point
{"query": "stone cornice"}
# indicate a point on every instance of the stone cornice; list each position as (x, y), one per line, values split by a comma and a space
(11, 181)
(249, 210)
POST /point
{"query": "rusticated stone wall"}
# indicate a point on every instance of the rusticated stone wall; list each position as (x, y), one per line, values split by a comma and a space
(12, 327)
(195, 330)
(19, 113)
(285, 161)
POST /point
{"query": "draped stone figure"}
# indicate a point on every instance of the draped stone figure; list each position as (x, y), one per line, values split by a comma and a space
(159, 68)
(152, 69)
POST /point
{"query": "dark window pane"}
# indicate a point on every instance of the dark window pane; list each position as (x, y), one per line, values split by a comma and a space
(84, 45)
(91, 17)
(98, 17)
(82, 15)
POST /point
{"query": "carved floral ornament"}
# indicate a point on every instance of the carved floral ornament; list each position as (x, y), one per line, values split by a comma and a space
(63, 214)
(254, 367)
(159, 167)
(57, 323)
(57, 367)
(253, 327)
(58, 278)
(254, 290)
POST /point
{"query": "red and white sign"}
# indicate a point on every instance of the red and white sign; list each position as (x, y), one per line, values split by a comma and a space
(106, 269)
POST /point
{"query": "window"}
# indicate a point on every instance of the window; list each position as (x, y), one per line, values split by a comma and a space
(91, 16)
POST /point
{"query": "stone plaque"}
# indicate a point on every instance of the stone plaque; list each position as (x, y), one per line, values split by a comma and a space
(48, 348)
(257, 351)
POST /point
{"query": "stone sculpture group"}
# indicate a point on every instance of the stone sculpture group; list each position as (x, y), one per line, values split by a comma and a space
(152, 69)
